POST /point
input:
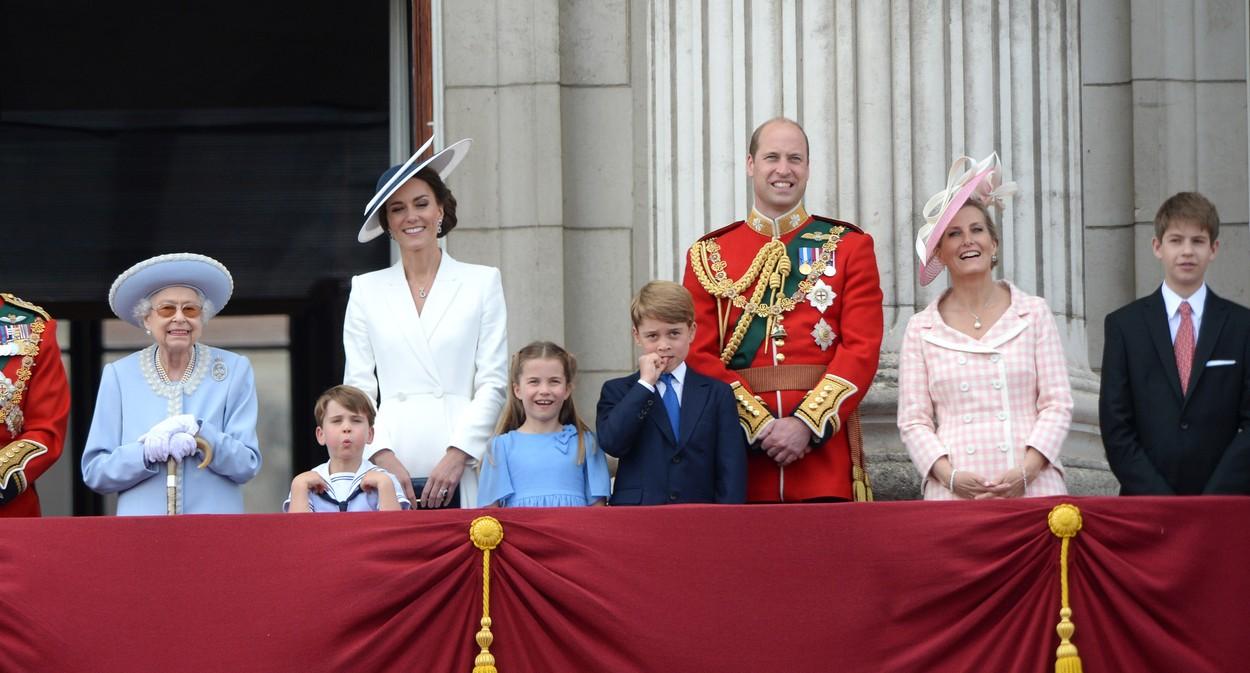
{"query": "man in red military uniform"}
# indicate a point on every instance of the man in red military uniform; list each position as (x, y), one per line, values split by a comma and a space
(788, 307)
(34, 403)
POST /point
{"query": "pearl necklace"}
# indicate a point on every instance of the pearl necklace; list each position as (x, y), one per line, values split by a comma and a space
(160, 368)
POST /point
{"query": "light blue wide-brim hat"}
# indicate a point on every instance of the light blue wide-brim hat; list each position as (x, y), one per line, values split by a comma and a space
(154, 274)
(443, 163)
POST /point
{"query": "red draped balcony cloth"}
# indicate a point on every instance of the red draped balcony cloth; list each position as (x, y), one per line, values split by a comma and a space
(1157, 584)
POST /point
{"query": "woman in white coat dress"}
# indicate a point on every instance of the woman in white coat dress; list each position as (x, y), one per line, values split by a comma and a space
(427, 337)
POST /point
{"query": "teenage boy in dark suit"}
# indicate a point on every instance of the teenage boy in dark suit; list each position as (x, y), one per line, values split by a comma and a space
(1175, 400)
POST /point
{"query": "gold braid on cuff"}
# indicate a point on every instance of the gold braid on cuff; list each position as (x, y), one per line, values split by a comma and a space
(13, 460)
(820, 405)
(752, 413)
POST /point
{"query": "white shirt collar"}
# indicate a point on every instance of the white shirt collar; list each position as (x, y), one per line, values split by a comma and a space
(1172, 301)
(679, 374)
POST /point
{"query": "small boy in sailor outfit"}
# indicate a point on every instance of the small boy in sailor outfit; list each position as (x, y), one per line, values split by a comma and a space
(347, 482)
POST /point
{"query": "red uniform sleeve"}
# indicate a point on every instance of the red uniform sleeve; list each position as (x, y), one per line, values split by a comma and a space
(45, 405)
(862, 321)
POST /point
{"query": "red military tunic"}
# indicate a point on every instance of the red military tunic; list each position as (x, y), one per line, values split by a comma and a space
(812, 343)
(34, 403)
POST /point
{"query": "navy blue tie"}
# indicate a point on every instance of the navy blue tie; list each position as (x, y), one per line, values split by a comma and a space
(671, 407)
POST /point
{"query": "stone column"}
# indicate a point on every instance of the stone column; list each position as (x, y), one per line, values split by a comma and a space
(546, 90)
(501, 86)
(1164, 101)
(889, 94)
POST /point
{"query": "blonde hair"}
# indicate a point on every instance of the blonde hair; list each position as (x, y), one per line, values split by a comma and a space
(662, 300)
(513, 415)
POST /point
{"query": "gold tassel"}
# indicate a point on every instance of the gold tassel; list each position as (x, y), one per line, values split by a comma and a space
(861, 485)
(486, 533)
(1065, 522)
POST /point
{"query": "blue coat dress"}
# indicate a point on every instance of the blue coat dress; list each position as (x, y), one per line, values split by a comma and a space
(220, 393)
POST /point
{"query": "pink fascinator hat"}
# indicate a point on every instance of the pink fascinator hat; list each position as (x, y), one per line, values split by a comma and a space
(966, 180)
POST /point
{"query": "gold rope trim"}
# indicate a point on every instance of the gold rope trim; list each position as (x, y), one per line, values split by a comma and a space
(486, 533)
(18, 301)
(771, 266)
(1065, 522)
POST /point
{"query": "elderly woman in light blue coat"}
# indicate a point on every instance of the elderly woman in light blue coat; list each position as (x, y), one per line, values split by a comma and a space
(177, 402)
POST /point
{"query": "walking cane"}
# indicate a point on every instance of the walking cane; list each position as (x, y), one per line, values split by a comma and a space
(171, 476)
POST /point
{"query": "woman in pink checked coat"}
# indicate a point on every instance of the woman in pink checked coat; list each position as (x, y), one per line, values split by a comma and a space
(984, 400)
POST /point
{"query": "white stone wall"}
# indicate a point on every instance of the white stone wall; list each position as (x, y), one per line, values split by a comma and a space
(889, 94)
(1164, 110)
(611, 134)
(546, 90)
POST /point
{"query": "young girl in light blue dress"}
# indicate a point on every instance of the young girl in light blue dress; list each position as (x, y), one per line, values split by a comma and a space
(543, 455)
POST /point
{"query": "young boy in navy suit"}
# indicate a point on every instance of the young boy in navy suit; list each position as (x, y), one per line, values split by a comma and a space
(674, 430)
(1175, 400)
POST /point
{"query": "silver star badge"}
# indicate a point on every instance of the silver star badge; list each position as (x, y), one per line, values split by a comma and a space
(821, 296)
(823, 334)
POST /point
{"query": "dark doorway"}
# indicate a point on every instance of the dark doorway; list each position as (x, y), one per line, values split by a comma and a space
(248, 131)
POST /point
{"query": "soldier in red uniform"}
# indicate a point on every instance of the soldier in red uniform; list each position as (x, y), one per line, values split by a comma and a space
(34, 403)
(788, 307)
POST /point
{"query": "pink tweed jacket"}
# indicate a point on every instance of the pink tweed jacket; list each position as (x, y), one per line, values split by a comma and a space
(981, 402)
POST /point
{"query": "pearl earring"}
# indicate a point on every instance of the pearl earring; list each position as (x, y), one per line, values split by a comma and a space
(994, 258)
(148, 332)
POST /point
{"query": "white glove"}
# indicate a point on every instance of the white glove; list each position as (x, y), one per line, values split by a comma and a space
(181, 445)
(155, 447)
(180, 423)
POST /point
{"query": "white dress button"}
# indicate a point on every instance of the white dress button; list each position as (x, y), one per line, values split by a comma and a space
(1002, 447)
(438, 394)
(964, 386)
(1002, 415)
(963, 360)
(401, 397)
(971, 450)
(998, 385)
(967, 418)
(995, 358)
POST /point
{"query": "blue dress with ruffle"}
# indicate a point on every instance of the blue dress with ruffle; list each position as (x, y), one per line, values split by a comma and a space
(540, 470)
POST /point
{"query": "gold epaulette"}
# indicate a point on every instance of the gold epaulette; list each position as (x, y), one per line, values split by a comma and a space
(13, 460)
(820, 405)
(10, 299)
(752, 413)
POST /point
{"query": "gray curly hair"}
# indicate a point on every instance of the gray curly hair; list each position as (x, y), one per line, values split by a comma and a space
(144, 307)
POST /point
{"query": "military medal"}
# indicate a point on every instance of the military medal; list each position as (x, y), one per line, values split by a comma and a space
(829, 270)
(12, 318)
(13, 338)
(823, 334)
(821, 296)
(807, 258)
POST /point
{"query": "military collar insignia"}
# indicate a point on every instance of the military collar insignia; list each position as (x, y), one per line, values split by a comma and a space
(782, 225)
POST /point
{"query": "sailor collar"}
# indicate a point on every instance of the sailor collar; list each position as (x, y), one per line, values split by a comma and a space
(782, 225)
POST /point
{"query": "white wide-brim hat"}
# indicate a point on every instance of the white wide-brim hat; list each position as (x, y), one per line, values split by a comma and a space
(966, 179)
(185, 269)
(443, 163)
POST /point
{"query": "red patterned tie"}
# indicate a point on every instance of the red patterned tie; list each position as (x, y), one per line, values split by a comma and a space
(1184, 345)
